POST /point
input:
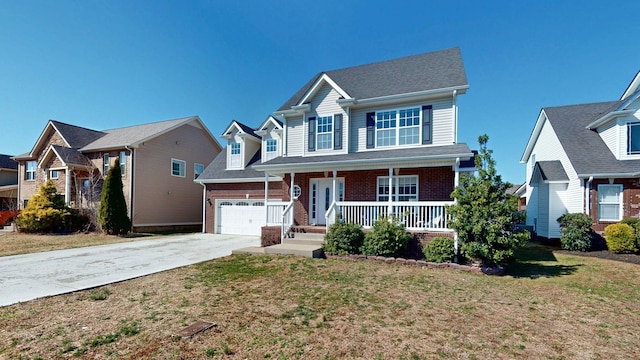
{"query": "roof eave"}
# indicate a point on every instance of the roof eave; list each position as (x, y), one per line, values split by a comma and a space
(533, 138)
(236, 180)
(352, 102)
(608, 117)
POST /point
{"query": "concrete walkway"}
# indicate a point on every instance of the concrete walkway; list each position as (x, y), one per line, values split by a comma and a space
(31, 276)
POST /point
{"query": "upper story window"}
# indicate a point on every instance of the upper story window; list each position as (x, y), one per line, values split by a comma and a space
(178, 167)
(54, 174)
(404, 188)
(633, 138)
(271, 147)
(123, 162)
(30, 172)
(235, 159)
(610, 202)
(197, 170)
(397, 127)
(325, 132)
(105, 164)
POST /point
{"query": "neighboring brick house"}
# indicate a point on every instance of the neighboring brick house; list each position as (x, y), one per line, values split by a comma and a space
(158, 162)
(359, 143)
(585, 159)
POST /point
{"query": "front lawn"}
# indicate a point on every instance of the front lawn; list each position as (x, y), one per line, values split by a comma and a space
(548, 306)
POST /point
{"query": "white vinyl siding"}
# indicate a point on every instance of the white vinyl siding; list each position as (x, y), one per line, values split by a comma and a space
(323, 104)
(296, 137)
(609, 134)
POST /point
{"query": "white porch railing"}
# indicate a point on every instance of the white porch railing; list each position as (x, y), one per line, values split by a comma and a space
(415, 215)
(274, 212)
(287, 220)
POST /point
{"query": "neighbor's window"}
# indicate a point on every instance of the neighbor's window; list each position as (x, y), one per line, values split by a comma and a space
(325, 132)
(123, 162)
(271, 146)
(197, 170)
(610, 202)
(178, 167)
(235, 160)
(30, 173)
(105, 164)
(398, 127)
(633, 138)
(54, 174)
(404, 188)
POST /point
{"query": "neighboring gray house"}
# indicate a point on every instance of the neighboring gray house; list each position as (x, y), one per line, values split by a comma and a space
(585, 159)
(360, 142)
(158, 161)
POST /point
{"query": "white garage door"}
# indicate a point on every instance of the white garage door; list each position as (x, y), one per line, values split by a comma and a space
(241, 217)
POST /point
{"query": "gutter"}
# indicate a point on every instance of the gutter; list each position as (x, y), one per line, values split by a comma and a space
(204, 207)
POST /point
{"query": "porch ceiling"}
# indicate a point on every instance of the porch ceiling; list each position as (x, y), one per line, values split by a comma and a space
(378, 159)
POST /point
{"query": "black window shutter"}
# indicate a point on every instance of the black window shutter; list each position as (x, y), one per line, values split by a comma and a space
(337, 132)
(427, 124)
(371, 130)
(312, 133)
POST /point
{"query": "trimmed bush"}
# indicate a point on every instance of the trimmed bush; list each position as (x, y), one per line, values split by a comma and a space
(440, 249)
(387, 238)
(343, 238)
(620, 238)
(575, 231)
(635, 224)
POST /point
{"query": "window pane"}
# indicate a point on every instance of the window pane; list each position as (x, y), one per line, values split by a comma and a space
(634, 138)
(609, 197)
(325, 132)
(609, 212)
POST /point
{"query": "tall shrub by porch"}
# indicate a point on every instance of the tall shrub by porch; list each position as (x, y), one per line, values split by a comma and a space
(484, 213)
(112, 215)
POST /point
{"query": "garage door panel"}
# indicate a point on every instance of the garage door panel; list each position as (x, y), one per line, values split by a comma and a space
(241, 217)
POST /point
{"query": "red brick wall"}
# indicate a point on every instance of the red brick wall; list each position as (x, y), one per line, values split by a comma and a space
(630, 198)
(237, 191)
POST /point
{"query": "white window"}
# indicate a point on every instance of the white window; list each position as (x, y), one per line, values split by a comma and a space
(405, 188)
(178, 167)
(235, 159)
(105, 164)
(53, 174)
(633, 138)
(324, 133)
(398, 127)
(610, 202)
(271, 147)
(197, 170)
(30, 173)
(123, 162)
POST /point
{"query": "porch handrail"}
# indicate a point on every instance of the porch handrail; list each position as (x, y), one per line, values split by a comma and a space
(415, 215)
(287, 220)
(274, 212)
(330, 215)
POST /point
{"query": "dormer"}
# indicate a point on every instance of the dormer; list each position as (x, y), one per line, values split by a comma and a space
(271, 133)
(242, 144)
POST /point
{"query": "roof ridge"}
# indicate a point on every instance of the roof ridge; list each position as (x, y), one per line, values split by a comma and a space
(152, 123)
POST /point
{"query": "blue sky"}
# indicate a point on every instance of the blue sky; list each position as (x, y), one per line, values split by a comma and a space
(105, 64)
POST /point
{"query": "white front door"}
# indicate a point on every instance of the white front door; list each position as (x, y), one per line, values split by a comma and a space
(321, 197)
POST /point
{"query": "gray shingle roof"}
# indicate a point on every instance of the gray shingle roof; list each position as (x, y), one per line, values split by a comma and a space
(131, 135)
(6, 162)
(76, 136)
(552, 170)
(428, 71)
(586, 150)
(71, 156)
(217, 169)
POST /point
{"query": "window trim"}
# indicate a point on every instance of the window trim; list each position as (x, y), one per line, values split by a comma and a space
(123, 162)
(328, 133)
(620, 201)
(395, 194)
(51, 172)
(237, 157)
(270, 154)
(105, 164)
(397, 127)
(629, 126)
(32, 171)
(183, 167)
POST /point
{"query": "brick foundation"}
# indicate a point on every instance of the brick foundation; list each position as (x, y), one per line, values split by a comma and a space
(270, 236)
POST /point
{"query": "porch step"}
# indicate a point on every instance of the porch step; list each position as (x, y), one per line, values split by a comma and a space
(310, 251)
(304, 239)
(310, 229)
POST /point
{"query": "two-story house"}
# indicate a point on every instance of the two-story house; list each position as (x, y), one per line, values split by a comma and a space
(158, 162)
(584, 159)
(359, 143)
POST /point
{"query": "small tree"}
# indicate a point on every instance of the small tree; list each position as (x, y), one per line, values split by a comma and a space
(45, 211)
(484, 213)
(112, 215)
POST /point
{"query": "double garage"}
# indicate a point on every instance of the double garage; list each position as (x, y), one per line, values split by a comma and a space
(240, 217)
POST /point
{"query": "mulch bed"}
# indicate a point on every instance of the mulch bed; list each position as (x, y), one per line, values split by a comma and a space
(605, 254)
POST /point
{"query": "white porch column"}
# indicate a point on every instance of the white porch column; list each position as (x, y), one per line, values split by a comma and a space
(293, 176)
(390, 205)
(67, 186)
(335, 175)
(266, 198)
(456, 182)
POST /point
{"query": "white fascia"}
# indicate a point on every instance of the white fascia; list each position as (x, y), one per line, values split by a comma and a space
(608, 117)
(238, 180)
(533, 138)
(314, 88)
(351, 102)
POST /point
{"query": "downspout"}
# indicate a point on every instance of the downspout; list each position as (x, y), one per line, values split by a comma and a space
(204, 207)
(455, 115)
(284, 136)
(587, 196)
(132, 171)
(456, 182)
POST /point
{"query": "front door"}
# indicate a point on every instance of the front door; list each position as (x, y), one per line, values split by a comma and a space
(321, 197)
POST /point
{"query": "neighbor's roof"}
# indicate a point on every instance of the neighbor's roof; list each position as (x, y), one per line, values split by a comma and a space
(429, 71)
(6, 162)
(216, 170)
(586, 150)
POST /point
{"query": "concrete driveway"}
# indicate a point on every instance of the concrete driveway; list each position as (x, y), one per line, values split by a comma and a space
(31, 276)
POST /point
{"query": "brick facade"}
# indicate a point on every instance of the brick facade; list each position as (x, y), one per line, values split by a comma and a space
(630, 199)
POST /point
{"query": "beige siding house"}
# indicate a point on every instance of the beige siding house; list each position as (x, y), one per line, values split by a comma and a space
(158, 161)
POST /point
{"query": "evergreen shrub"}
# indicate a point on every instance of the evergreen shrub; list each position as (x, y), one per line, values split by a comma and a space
(620, 238)
(440, 249)
(575, 231)
(387, 238)
(343, 238)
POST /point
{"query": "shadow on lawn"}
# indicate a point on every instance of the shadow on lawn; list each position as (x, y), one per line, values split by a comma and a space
(533, 261)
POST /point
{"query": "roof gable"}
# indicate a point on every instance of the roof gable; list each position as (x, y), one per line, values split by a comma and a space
(270, 121)
(240, 128)
(549, 171)
(412, 74)
(73, 136)
(68, 156)
(634, 87)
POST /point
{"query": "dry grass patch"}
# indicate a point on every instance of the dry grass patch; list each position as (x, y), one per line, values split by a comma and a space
(549, 306)
(14, 243)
